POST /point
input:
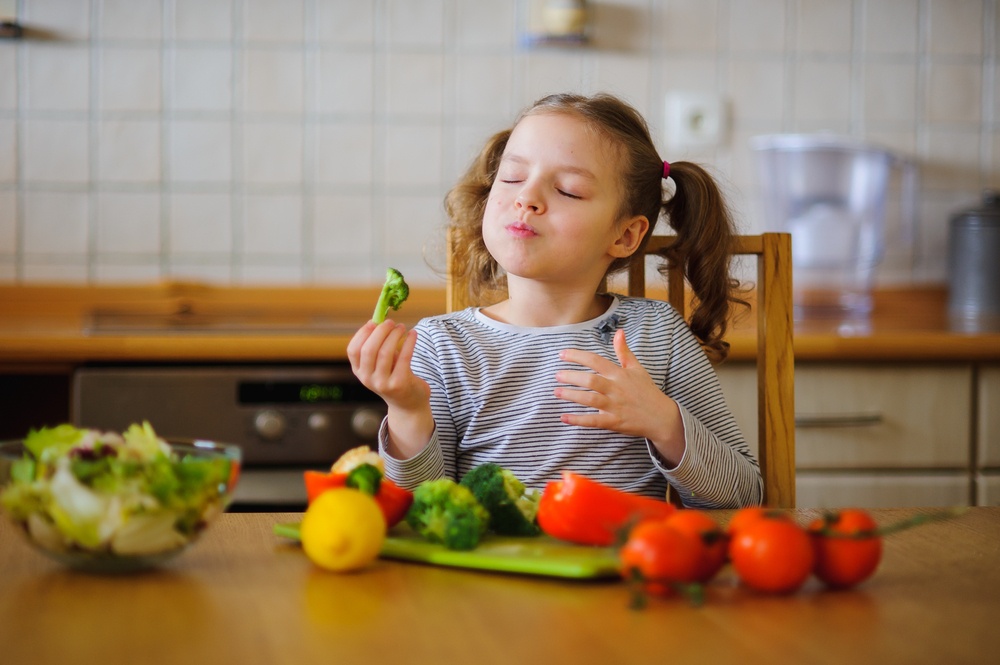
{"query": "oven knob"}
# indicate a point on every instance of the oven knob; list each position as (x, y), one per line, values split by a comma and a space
(269, 424)
(365, 424)
(319, 422)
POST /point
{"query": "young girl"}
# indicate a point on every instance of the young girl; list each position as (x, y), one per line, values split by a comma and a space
(551, 373)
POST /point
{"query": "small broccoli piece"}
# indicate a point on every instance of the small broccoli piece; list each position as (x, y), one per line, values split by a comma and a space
(512, 508)
(394, 293)
(365, 477)
(447, 513)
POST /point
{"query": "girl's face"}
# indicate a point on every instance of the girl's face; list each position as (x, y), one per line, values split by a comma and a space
(551, 213)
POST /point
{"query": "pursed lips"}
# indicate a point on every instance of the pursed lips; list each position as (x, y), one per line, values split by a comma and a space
(521, 230)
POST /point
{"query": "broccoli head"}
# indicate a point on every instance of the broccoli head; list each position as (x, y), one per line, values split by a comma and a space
(447, 513)
(512, 508)
(365, 477)
(395, 291)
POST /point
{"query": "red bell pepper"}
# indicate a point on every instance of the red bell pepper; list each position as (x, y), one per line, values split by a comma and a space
(392, 499)
(587, 512)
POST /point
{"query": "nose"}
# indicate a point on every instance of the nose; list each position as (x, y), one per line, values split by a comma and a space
(529, 200)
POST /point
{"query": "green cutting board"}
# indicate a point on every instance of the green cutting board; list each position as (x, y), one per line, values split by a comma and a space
(539, 555)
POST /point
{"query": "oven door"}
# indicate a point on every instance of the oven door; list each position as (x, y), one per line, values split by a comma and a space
(285, 418)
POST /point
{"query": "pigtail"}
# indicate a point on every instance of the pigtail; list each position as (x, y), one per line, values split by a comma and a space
(465, 205)
(705, 239)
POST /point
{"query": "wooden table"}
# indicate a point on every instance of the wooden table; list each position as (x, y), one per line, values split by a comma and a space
(241, 595)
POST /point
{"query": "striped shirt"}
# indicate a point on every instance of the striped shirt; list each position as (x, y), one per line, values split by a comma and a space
(492, 401)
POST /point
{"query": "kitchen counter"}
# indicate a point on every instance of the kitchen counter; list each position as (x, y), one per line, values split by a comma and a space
(62, 325)
(243, 595)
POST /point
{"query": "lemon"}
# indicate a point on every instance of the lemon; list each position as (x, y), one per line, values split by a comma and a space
(342, 530)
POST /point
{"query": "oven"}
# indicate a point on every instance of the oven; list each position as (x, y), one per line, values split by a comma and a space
(285, 418)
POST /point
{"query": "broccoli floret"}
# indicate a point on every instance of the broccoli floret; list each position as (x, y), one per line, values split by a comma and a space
(447, 513)
(511, 507)
(394, 293)
(365, 477)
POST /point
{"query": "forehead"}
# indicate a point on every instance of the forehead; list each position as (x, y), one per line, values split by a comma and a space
(564, 136)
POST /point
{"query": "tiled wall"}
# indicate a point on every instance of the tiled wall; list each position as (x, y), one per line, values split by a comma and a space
(312, 141)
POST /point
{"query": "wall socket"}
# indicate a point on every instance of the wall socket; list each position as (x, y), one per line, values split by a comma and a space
(694, 120)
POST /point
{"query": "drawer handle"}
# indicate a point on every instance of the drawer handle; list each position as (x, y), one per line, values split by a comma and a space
(843, 420)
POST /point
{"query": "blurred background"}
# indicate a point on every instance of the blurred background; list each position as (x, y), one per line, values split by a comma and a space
(312, 141)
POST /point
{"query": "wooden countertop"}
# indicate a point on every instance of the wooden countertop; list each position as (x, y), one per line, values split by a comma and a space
(183, 322)
(241, 595)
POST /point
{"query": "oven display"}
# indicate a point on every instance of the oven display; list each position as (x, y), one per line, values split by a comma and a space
(299, 392)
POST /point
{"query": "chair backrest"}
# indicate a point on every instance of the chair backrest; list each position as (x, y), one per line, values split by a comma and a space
(775, 356)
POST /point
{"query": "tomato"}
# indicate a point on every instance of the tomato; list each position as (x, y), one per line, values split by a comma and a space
(772, 554)
(846, 546)
(708, 534)
(661, 556)
(745, 516)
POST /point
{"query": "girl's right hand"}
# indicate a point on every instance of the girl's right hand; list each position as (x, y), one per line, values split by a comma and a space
(380, 356)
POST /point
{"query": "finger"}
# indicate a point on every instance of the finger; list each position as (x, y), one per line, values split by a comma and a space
(595, 362)
(402, 365)
(585, 380)
(372, 347)
(624, 354)
(587, 398)
(356, 344)
(593, 420)
(389, 349)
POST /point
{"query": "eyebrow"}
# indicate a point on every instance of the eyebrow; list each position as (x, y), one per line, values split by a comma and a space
(576, 170)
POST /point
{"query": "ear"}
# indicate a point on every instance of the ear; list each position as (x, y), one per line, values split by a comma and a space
(630, 235)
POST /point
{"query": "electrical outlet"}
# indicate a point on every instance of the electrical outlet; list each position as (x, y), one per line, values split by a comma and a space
(694, 120)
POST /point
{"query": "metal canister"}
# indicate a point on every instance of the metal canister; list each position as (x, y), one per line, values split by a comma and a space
(974, 267)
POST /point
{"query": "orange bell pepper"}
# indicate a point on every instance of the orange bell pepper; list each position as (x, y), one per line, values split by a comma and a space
(392, 499)
(584, 511)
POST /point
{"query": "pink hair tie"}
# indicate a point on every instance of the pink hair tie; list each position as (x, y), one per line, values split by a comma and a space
(666, 170)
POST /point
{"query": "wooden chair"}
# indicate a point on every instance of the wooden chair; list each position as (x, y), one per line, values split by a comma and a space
(775, 356)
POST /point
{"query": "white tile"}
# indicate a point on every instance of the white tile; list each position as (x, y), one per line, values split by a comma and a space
(203, 21)
(58, 77)
(66, 20)
(128, 222)
(415, 84)
(549, 72)
(485, 85)
(8, 79)
(485, 25)
(107, 271)
(345, 82)
(956, 27)
(274, 80)
(8, 272)
(822, 91)
(758, 88)
(346, 22)
(200, 223)
(416, 23)
(129, 79)
(215, 271)
(202, 79)
(200, 151)
(8, 150)
(690, 26)
(689, 73)
(824, 26)
(413, 155)
(950, 157)
(129, 151)
(348, 271)
(255, 272)
(272, 224)
(56, 151)
(411, 224)
(131, 19)
(272, 153)
(39, 271)
(342, 226)
(8, 223)
(890, 92)
(344, 154)
(624, 25)
(757, 26)
(954, 93)
(274, 20)
(55, 223)
(891, 26)
(626, 76)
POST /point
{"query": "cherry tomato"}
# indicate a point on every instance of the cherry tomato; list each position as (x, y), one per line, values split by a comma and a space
(709, 536)
(846, 546)
(772, 554)
(745, 516)
(660, 555)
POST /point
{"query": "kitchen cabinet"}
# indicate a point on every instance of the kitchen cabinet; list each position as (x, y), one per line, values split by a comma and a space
(988, 436)
(875, 435)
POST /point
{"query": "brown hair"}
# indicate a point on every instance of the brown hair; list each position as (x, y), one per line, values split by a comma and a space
(696, 212)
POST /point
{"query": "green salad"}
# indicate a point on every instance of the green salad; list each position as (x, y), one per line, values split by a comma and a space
(108, 493)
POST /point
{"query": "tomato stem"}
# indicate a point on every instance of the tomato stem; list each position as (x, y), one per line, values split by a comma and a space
(900, 525)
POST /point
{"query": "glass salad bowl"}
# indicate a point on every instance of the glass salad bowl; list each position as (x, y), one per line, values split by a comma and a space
(108, 502)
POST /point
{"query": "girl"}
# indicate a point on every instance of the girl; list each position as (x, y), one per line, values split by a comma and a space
(552, 373)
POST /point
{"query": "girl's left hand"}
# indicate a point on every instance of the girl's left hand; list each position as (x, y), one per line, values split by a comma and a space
(624, 396)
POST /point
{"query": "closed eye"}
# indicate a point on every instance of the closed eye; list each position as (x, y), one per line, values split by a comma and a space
(568, 195)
